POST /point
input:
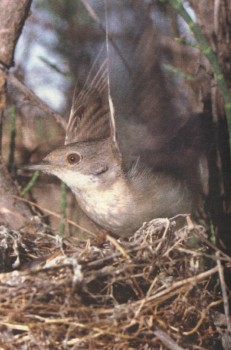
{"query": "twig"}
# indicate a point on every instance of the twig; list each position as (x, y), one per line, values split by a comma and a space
(181, 284)
(167, 225)
(54, 214)
(12, 138)
(63, 205)
(213, 246)
(224, 291)
(118, 247)
(30, 95)
(167, 340)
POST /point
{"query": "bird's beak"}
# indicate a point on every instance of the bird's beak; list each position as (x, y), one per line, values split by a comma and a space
(42, 166)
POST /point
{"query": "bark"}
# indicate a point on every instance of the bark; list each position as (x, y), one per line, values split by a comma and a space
(12, 18)
(214, 18)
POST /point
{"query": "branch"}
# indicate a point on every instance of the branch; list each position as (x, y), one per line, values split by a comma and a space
(32, 97)
(12, 17)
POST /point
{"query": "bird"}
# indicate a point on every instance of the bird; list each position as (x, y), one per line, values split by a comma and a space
(91, 164)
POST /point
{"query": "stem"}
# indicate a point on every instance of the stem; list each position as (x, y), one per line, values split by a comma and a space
(12, 115)
(63, 208)
(30, 183)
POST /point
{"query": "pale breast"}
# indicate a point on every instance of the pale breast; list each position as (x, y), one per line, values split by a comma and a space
(108, 208)
(122, 209)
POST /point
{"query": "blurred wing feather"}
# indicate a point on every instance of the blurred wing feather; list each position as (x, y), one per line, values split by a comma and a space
(90, 114)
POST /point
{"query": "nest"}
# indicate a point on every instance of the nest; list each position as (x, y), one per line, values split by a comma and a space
(159, 289)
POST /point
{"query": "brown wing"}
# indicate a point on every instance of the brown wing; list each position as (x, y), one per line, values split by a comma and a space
(90, 113)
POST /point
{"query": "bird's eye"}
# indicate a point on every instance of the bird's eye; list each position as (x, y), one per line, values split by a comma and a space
(73, 158)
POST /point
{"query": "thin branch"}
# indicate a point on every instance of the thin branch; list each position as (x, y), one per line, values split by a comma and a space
(32, 97)
(174, 289)
(167, 340)
(54, 214)
(224, 291)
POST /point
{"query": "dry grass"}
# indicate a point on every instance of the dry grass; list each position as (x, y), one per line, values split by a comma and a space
(157, 290)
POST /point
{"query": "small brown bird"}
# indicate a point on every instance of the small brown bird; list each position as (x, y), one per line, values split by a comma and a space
(91, 164)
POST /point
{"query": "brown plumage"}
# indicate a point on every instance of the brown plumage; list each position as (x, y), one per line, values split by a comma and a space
(89, 118)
